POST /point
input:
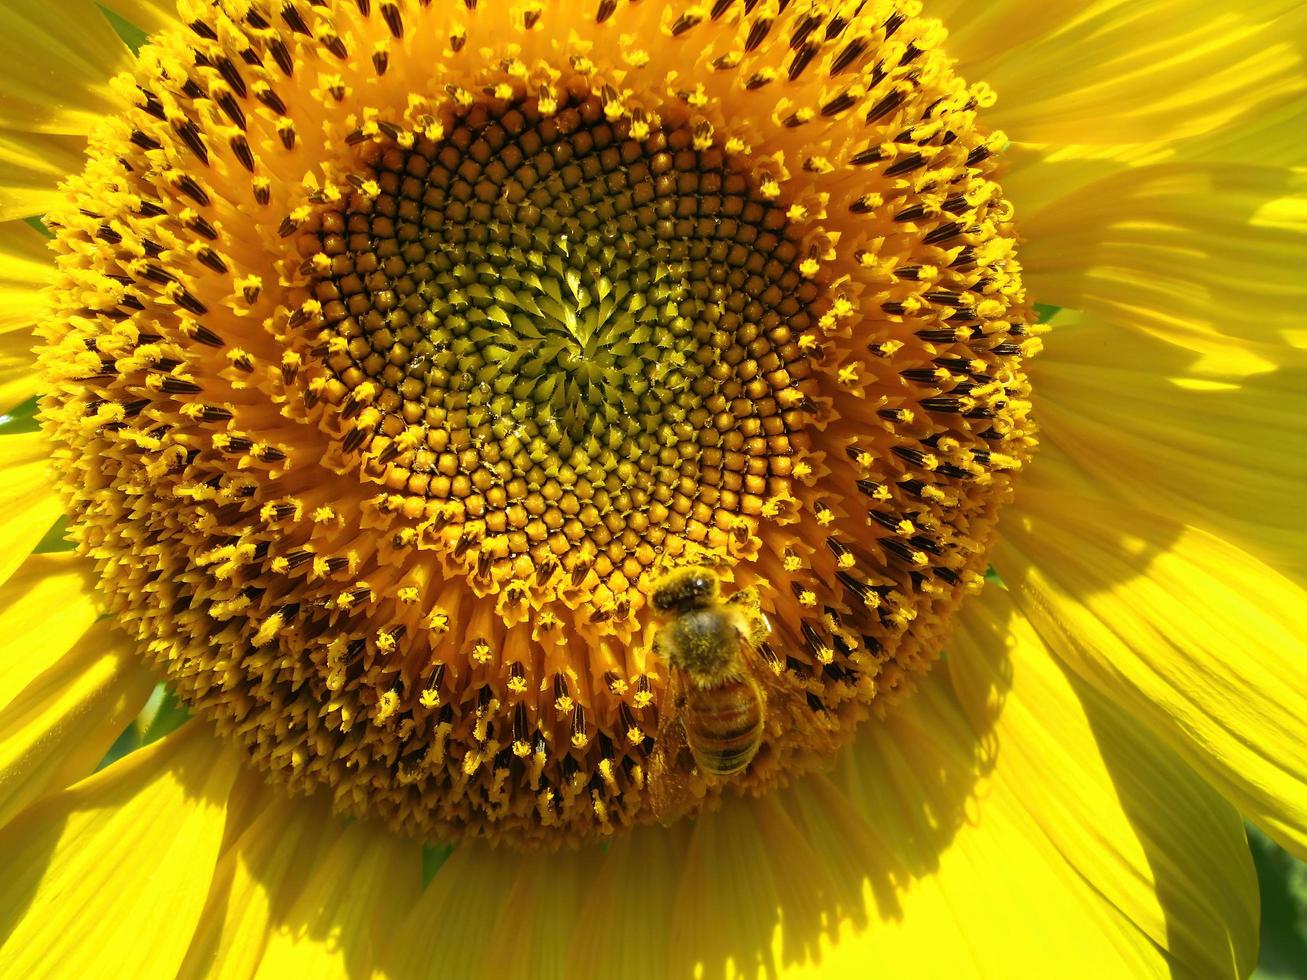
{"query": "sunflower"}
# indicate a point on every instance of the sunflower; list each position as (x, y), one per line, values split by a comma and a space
(371, 362)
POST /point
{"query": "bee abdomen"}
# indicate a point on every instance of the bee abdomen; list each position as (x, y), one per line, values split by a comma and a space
(723, 726)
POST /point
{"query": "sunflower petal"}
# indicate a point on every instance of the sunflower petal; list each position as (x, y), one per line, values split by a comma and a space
(25, 265)
(37, 46)
(1194, 253)
(28, 504)
(61, 724)
(1213, 446)
(1199, 640)
(107, 878)
(257, 880)
(964, 873)
(18, 378)
(1114, 71)
(360, 887)
(31, 167)
(492, 913)
(148, 15)
(1140, 826)
(45, 607)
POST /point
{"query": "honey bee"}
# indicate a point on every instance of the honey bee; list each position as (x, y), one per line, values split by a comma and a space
(718, 684)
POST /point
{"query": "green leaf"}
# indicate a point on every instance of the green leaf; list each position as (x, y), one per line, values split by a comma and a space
(433, 856)
(56, 539)
(1283, 884)
(20, 418)
(169, 715)
(127, 32)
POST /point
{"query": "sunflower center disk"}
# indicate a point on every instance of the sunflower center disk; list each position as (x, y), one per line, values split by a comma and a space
(575, 348)
(397, 349)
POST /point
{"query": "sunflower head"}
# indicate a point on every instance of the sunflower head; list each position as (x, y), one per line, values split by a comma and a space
(399, 350)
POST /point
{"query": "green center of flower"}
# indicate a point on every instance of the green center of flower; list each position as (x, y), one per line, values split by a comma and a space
(577, 342)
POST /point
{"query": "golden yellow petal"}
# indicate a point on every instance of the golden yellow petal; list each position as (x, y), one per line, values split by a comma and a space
(56, 60)
(1217, 443)
(108, 877)
(897, 859)
(1199, 640)
(1113, 71)
(258, 878)
(28, 504)
(1139, 825)
(45, 607)
(31, 167)
(346, 913)
(59, 727)
(25, 266)
(1195, 253)
(19, 379)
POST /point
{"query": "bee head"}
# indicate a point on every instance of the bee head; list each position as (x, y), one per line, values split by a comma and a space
(684, 589)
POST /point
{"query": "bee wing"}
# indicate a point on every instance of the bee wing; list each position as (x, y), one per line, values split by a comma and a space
(784, 696)
(671, 778)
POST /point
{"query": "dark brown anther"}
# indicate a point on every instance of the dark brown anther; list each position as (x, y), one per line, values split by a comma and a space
(943, 233)
(208, 257)
(188, 302)
(837, 104)
(394, 20)
(190, 135)
(353, 439)
(757, 33)
(145, 142)
(802, 58)
(179, 386)
(232, 76)
(273, 101)
(281, 56)
(233, 111)
(188, 186)
(335, 45)
(291, 15)
(206, 336)
(240, 148)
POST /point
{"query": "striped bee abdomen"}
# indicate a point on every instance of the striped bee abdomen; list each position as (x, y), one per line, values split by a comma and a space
(723, 725)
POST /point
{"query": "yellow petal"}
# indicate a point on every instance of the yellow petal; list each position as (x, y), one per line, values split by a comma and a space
(25, 266)
(107, 878)
(45, 607)
(19, 380)
(1194, 253)
(28, 504)
(1209, 444)
(965, 875)
(257, 881)
(347, 912)
(149, 15)
(492, 913)
(31, 167)
(1114, 71)
(1141, 827)
(69, 41)
(909, 859)
(1197, 639)
(59, 726)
